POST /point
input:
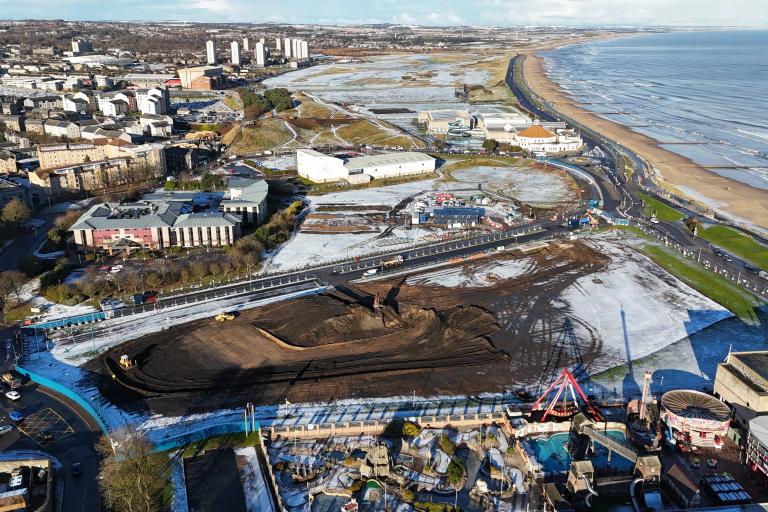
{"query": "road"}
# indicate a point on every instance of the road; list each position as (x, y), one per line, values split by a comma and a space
(26, 245)
(48, 411)
(330, 275)
(632, 206)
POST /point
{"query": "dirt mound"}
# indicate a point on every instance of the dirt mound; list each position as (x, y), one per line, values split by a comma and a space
(426, 339)
(331, 338)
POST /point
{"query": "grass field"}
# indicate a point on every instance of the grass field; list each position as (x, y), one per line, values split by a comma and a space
(716, 287)
(365, 132)
(661, 210)
(737, 243)
(271, 133)
(316, 189)
(233, 102)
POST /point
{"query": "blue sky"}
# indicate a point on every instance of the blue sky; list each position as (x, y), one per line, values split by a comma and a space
(423, 12)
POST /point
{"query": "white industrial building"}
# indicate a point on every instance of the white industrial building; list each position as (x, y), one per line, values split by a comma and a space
(321, 168)
(235, 51)
(210, 52)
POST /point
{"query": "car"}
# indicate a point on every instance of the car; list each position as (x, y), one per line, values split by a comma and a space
(370, 273)
(727, 258)
(4, 429)
(13, 395)
(16, 416)
(46, 438)
(77, 469)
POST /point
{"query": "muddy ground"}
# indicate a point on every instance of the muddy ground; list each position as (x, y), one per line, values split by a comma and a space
(423, 339)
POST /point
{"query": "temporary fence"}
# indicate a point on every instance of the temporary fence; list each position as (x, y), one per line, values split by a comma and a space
(59, 388)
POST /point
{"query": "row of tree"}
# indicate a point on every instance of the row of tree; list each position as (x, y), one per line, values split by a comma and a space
(255, 105)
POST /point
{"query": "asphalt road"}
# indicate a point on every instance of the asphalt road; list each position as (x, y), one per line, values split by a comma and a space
(26, 245)
(59, 415)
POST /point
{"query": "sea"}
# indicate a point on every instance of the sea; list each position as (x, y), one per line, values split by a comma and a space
(703, 95)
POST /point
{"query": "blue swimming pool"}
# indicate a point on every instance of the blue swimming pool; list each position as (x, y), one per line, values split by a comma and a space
(552, 453)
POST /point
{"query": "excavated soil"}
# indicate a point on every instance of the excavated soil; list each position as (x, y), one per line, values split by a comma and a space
(423, 339)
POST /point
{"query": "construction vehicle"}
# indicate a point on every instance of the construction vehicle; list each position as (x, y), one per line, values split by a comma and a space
(392, 262)
(223, 317)
(126, 363)
(12, 380)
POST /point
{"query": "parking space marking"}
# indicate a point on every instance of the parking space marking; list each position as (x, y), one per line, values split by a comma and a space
(45, 422)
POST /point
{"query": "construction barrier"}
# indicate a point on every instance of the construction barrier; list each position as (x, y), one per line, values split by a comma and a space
(48, 383)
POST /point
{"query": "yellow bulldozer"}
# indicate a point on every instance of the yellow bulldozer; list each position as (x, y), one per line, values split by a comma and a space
(223, 317)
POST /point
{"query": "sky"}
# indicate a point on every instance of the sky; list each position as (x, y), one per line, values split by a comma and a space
(587, 13)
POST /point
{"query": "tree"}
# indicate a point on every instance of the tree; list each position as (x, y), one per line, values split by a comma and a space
(199, 269)
(410, 429)
(693, 224)
(131, 473)
(490, 144)
(56, 235)
(456, 470)
(15, 212)
(11, 282)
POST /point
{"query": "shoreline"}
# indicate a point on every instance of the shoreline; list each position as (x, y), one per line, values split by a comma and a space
(733, 198)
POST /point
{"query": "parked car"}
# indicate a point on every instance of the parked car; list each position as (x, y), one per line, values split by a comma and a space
(77, 469)
(13, 395)
(4, 429)
(16, 416)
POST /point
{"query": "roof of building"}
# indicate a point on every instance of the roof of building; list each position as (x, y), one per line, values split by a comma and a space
(535, 132)
(683, 481)
(758, 427)
(8, 184)
(757, 361)
(148, 215)
(447, 115)
(60, 124)
(405, 157)
(245, 192)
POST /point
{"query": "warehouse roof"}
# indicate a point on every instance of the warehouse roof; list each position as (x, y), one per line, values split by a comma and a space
(387, 159)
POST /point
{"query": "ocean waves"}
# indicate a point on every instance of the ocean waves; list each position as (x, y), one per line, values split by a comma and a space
(703, 88)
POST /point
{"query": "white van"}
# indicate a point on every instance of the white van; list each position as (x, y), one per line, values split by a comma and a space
(370, 273)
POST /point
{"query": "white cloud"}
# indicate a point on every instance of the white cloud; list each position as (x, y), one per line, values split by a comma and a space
(404, 18)
(444, 18)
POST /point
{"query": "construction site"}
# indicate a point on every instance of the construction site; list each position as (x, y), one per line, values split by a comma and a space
(494, 324)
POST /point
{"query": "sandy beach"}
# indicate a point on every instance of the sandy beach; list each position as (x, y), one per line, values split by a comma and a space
(730, 197)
